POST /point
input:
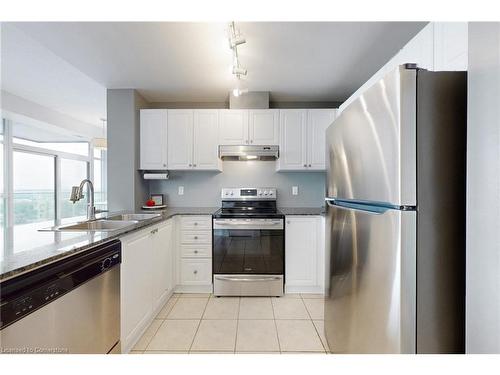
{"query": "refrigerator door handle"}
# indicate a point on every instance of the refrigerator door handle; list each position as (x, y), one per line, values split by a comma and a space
(368, 206)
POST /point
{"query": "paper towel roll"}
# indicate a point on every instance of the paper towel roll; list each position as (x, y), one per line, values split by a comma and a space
(156, 176)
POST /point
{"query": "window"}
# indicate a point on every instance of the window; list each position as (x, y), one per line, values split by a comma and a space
(2, 193)
(34, 196)
(100, 179)
(72, 173)
(38, 167)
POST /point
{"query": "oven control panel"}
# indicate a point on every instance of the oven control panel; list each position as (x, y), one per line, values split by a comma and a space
(249, 193)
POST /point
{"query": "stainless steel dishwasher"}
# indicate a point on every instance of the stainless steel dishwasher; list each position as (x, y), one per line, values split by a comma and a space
(69, 306)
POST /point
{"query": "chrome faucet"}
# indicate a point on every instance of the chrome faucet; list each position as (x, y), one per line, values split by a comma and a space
(77, 194)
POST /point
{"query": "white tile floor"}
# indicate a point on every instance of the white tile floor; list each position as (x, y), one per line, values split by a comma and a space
(202, 323)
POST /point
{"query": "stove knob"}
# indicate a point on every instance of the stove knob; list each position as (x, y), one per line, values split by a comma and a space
(265, 192)
(260, 192)
(232, 193)
(227, 193)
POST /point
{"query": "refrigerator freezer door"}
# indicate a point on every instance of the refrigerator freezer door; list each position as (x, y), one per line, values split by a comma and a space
(371, 263)
(371, 147)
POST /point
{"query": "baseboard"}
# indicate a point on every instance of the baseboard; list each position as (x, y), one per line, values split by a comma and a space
(194, 289)
(304, 289)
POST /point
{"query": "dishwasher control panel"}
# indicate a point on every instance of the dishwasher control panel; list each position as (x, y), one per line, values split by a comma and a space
(29, 292)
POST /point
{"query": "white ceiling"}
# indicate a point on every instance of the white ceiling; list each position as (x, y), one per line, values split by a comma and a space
(67, 66)
(33, 72)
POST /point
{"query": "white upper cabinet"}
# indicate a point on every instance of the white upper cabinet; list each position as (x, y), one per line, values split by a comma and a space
(233, 127)
(451, 46)
(153, 139)
(302, 138)
(439, 46)
(317, 122)
(263, 127)
(180, 138)
(206, 139)
(293, 127)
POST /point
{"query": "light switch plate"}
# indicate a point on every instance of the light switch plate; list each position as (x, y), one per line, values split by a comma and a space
(181, 190)
(295, 190)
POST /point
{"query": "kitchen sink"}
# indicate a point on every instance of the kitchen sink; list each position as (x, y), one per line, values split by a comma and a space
(133, 217)
(102, 225)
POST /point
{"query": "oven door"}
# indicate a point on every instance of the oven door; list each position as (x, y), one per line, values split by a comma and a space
(248, 256)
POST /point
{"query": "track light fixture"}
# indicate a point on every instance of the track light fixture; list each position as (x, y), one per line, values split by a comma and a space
(239, 71)
(235, 39)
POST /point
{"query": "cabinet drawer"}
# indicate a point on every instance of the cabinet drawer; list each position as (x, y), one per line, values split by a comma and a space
(196, 223)
(196, 271)
(196, 237)
(196, 251)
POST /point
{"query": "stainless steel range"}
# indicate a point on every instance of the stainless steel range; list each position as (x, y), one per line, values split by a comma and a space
(248, 244)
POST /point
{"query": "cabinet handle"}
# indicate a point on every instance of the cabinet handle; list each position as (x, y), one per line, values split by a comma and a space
(195, 272)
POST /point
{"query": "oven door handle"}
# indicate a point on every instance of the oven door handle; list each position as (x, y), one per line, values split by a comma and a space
(226, 278)
(244, 224)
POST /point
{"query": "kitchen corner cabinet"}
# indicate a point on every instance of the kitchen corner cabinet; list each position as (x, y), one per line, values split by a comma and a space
(193, 139)
(146, 279)
(153, 139)
(302, 138)
(304, 254)
(249, 127)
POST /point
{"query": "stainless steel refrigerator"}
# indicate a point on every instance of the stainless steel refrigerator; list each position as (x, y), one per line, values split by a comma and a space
(395, 228)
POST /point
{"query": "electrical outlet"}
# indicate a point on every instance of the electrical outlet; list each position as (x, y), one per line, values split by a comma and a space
(181, 190)
(295, 190)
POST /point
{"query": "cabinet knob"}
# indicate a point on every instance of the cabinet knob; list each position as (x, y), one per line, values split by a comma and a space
(195, 272)
(164, 165)
(195, 223)
(196, 251)
(305, 165)
(194, 165)
(195, 237)
(190, 165)
(251, 141)
(288, 221)
(309, 164)
(246, 141)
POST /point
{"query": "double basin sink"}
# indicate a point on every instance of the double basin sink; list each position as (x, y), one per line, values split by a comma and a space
(108, 224)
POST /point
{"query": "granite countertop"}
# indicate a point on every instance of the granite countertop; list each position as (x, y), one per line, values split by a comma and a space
(302, 210)
(58, 245)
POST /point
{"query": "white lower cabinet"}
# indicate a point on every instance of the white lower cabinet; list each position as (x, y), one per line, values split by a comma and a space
(194, 254)
(196, 271)
(304, 254)
(146, 277)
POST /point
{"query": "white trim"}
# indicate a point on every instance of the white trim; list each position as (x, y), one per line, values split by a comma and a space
(45, 151)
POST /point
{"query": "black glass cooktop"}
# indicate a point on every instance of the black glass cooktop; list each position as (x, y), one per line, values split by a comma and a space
(253, 209)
